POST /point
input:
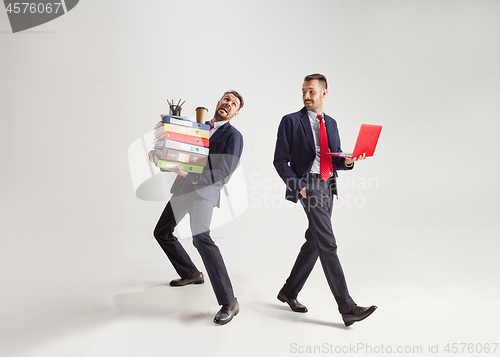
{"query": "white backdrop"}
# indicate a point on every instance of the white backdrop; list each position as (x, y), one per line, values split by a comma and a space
(81, 274)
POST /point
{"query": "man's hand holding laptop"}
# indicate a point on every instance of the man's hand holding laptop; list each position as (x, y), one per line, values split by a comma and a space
(349, 161)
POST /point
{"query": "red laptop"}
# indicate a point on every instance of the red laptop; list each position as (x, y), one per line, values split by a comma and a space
(366, 142)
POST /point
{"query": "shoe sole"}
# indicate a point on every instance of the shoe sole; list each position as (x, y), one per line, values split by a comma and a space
(193, 282)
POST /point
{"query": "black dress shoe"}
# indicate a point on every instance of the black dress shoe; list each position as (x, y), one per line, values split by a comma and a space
(227, 312)
(193, 279)
(293, 303)
(357, 313)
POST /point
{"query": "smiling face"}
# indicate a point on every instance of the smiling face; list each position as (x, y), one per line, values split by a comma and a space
(313, 95)
(227, 108)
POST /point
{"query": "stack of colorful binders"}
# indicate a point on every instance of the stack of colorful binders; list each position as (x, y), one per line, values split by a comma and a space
(181, 142)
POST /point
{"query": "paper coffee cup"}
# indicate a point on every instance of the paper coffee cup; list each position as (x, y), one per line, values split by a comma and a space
(201, 115)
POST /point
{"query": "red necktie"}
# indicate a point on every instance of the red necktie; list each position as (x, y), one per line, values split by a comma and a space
(326, 167)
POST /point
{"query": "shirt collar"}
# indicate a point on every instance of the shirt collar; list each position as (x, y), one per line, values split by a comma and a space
(218, 124)
(313, 116)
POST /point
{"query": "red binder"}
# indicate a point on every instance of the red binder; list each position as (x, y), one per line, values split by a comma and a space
(183, 138)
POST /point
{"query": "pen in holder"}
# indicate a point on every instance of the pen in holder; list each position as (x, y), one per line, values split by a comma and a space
(175, 109)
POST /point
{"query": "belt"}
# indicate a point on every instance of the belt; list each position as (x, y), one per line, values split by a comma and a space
(314, 177)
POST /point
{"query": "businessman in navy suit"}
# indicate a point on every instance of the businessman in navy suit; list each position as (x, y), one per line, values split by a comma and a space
(310, 177)
(198, 194)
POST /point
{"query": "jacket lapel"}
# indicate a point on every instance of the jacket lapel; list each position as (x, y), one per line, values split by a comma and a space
(330, 134)
(219, 132)
(306, 125)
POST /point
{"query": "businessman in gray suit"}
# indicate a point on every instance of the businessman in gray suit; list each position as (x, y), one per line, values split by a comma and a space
(198, 194)
(310, 177)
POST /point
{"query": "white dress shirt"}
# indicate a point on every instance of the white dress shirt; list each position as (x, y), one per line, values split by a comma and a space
(313, 119)
(217, 125)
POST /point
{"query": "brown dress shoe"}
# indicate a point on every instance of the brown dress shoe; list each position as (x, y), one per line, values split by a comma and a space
(227, 312)
(357, 313)
(193, 279)
(294, 304)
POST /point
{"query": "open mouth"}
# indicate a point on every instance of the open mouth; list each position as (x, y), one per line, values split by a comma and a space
(225, 109)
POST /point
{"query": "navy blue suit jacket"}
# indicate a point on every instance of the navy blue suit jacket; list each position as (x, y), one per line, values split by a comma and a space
(295, 151)
(225, 148)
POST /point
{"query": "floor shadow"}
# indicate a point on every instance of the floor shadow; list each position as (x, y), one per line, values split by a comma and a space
(188, 303)
(283, 312)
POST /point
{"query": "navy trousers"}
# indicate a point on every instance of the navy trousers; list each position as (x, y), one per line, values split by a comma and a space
(320, 242)
(200, 214)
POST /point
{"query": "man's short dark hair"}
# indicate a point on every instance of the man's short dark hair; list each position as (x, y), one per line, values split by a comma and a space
(321, 78)
(237, 95)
